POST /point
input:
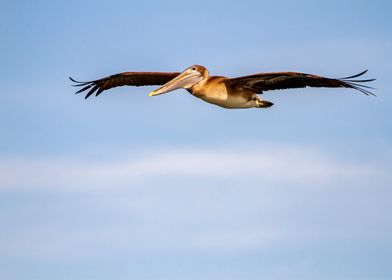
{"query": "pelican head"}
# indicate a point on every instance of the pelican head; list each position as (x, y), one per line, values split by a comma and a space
(187, 79)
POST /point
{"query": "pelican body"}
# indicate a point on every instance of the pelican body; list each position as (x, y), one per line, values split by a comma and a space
(231, 93)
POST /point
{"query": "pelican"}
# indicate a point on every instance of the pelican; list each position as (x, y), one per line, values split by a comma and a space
(231, 93)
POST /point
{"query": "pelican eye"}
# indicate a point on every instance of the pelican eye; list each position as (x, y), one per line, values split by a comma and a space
(193, 68)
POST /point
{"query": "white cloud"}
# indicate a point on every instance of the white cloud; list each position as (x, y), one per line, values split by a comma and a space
(193, 200)
(269, 164)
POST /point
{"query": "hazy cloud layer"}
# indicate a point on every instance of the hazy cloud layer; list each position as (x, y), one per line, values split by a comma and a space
(194, 200)
(270, 164)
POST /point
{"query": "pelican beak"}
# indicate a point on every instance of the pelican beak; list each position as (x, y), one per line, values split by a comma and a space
(184, 80)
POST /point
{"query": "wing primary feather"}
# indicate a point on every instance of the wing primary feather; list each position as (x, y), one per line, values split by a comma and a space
(78, 84)
(73, 80)
(359, 81)
(359, 85)
(91, 91)
(354, 76)
(83, 89)
(100, 90)
(360, 88)
(364, 91)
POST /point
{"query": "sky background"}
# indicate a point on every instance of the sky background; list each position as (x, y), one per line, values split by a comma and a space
(127, 186)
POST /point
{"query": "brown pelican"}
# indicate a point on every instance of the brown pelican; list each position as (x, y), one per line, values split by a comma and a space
(241, 92)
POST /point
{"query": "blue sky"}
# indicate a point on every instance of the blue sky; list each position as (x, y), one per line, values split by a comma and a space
(127, 186)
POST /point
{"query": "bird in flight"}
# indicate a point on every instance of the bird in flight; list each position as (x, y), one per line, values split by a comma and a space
(231, 93)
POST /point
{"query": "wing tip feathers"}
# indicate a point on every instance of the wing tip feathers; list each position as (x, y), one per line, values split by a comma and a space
(351, 82)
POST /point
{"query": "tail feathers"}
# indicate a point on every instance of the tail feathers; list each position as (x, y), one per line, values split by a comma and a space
(264, 104)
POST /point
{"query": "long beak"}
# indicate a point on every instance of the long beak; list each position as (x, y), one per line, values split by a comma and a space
(183, 80)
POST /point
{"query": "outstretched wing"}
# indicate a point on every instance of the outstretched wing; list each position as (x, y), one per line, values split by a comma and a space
(124, 79)
(285, 80)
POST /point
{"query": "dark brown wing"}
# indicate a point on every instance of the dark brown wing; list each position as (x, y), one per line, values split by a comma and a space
(124, 79)
(285, 80)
